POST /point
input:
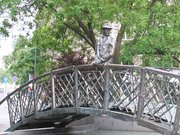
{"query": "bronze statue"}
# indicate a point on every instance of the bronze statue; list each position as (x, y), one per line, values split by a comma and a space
(105, 46)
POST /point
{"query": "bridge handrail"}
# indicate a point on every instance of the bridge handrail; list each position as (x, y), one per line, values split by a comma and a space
(160, 71)
(34, 80)
(16, 90)
(92, 78)
(90, 65)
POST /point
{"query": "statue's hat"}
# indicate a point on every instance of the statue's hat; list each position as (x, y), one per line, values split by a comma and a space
(107, 26)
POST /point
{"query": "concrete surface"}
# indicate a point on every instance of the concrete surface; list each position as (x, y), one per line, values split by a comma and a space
(95, 132)
(4, 116)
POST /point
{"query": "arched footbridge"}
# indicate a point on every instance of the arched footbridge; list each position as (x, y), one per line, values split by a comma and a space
(146, 95)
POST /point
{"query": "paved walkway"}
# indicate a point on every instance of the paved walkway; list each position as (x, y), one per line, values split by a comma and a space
(107, 132)
(95, 132)
(4, 116)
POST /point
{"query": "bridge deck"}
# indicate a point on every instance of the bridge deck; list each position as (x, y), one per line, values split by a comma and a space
(149, 96)
(95, 132)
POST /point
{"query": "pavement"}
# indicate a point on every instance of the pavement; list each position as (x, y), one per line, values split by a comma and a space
(4, 116)
(95, 132)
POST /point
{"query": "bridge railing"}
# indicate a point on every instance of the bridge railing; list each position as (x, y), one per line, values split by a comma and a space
(160, 95)
(145, 93)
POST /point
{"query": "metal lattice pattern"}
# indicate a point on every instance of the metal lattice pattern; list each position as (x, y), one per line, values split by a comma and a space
(43, 95)
(146, 93)
(160, 97)
(14, 108)
(27, 101)
(90, 86)
(124, 89)
(64, 90)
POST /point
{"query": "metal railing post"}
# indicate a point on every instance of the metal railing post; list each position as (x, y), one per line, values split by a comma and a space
(131, 85)
(21, 107)
(106, 89)
(53, 91)
(9, 111)
(34, 95)
(140, 95)
(76, 88)
(177, 117)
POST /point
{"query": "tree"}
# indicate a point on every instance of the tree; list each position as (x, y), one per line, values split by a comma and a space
(21, 61)
(157, 37)
(152, 24)
(81, 17)
(3, 73)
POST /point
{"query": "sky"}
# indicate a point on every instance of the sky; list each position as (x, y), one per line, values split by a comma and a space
(6, 43)
(6, 48)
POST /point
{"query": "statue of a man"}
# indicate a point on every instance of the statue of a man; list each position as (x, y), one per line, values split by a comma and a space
(105, 46)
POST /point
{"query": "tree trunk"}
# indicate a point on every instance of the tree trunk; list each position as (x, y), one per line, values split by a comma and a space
(117, 47)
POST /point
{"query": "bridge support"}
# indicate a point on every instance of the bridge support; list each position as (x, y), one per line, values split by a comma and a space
(141, 98)
(76, 88)
(34, 95)
(106, 89)
(53, 91)
(177, 117)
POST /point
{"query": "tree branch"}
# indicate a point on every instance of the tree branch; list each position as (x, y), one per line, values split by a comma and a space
(118, 44)
(150, 21)
(86, 31)
(79, 33)
(92, 35)
(91, 41)
(176, 59)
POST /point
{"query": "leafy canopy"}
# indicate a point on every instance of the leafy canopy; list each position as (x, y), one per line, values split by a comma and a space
(62, 26)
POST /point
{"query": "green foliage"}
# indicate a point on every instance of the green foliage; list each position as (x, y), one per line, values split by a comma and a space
(157, 38)
(62, 26)
(21, 61)
(52, 38)
(3, 73)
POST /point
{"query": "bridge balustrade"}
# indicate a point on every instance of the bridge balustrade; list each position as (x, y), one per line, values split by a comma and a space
(160, 95)
(149, 95)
